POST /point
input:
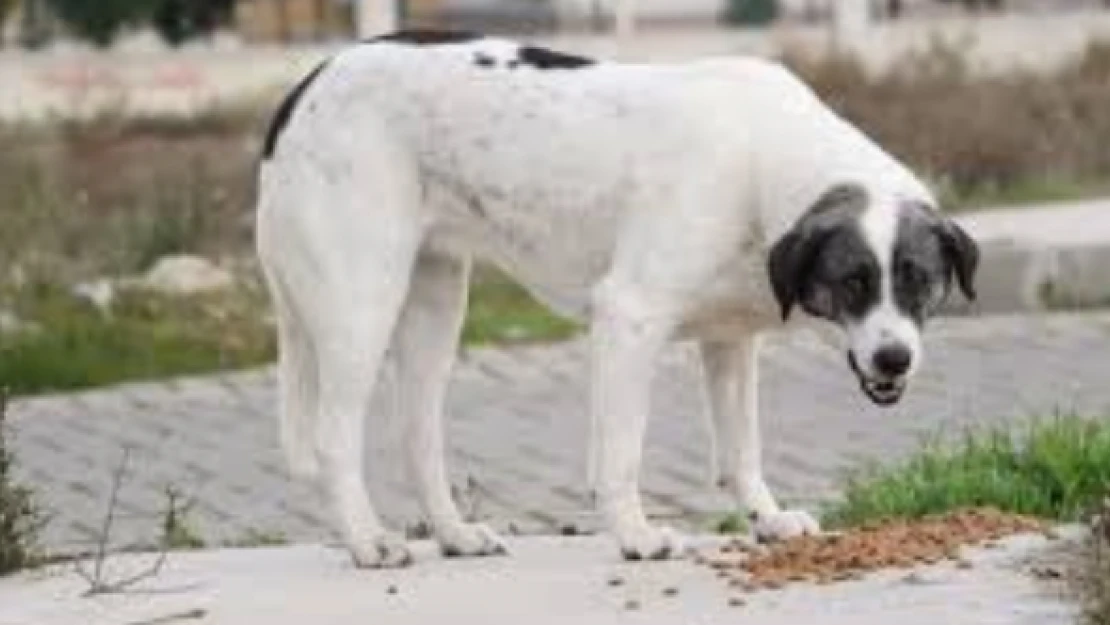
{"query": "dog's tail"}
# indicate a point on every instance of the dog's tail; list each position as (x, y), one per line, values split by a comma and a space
(298, 387)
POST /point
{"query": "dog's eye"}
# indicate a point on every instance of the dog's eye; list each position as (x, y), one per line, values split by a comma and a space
(909, 272)
(856, 284)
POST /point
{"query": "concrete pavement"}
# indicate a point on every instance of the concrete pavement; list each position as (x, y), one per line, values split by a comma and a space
(545, 580)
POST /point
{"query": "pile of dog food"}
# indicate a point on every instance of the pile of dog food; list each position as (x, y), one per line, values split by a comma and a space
(856, 552)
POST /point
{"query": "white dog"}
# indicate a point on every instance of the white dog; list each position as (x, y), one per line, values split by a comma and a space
(698, 200)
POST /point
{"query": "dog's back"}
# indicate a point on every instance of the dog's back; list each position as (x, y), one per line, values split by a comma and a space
(527, 157)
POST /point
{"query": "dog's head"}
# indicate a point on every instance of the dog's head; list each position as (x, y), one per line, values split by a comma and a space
(878, 267)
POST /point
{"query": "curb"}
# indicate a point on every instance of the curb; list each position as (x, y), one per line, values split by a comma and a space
(1040, 258)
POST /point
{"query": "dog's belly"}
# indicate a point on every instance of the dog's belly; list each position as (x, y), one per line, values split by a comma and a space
(558, 260)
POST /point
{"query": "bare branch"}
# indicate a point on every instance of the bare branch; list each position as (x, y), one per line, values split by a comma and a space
(98, 582)
(197, 613)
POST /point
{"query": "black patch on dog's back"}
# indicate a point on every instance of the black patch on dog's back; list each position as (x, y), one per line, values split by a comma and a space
(285, 111)
(427, 37)
(542, 58)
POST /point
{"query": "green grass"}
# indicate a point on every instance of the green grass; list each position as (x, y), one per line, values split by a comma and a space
(147, 336)
(1056, 468)
(499, 311)
(1029, 191)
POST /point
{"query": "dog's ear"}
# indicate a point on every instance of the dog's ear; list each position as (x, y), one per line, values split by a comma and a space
(787, 267)
(961, 254)
(792, 257)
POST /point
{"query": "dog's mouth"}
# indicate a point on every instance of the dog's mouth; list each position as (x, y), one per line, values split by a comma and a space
(882, 391)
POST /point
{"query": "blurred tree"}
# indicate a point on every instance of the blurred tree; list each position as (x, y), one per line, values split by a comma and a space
(6, 7)
(98, 21)
(180, 20)
(34, 29)
(751, 12)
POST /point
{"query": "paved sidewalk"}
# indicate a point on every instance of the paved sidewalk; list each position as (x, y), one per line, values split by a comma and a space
(544, 581)
(517, 427)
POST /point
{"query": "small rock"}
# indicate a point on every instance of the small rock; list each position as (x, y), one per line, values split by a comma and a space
(737, 602)
(923, 578)
(670, 591)
(100, 293)
(964, 564)
(185, 275)
(632, 604)
(1047, 572)
(391, 589)
(11, 324)
(616, 581)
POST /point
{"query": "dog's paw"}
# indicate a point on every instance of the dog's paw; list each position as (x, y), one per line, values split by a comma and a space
(471, 540)
(784, 524)
(651, 543)
(385, 551)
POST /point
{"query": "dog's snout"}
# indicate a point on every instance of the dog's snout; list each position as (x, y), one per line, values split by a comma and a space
(892, 361)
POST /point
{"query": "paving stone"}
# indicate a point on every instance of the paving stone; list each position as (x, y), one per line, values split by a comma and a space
(517, 427)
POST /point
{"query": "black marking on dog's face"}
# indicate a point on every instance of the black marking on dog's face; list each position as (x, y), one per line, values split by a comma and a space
(928, 252)
(918, 269)
(426, 37)
(285, 111)
(543, 58)
(824, 263)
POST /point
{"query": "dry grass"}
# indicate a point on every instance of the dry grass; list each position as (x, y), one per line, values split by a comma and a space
(981, 137)
(112, 195)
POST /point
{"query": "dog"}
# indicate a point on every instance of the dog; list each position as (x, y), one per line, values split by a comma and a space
(704, 200)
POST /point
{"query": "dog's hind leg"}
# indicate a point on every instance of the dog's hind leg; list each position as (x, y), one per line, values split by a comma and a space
(425, 342)
(341, 250)
(297, 383)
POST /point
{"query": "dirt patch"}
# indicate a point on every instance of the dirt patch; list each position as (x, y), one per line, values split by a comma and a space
(854, 553)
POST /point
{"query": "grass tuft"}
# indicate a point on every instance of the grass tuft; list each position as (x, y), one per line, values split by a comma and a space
(1056, 469)
(20, 517)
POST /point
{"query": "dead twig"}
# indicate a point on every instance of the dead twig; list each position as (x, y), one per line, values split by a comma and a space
(187, 615)
(98, 579)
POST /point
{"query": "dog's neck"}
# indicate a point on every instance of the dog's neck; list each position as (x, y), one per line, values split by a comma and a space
(815, 150)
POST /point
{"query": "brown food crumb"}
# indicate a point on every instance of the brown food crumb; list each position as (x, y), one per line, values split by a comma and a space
(874, 546)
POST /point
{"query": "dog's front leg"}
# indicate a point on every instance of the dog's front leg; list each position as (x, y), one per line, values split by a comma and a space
(626, 338)
(732, 388)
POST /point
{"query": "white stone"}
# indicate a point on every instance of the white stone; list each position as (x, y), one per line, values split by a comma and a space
(184, 275)
(100, 293)
(10, 323)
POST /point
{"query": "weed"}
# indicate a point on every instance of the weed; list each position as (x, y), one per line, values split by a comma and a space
(259, 538)
(1056, 469)
(731, 523)
(20, 517)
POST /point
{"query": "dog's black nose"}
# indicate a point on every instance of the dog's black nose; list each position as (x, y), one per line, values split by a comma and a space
(892, 361)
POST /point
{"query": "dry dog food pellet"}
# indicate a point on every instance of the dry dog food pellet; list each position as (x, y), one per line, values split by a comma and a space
(874, 546)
